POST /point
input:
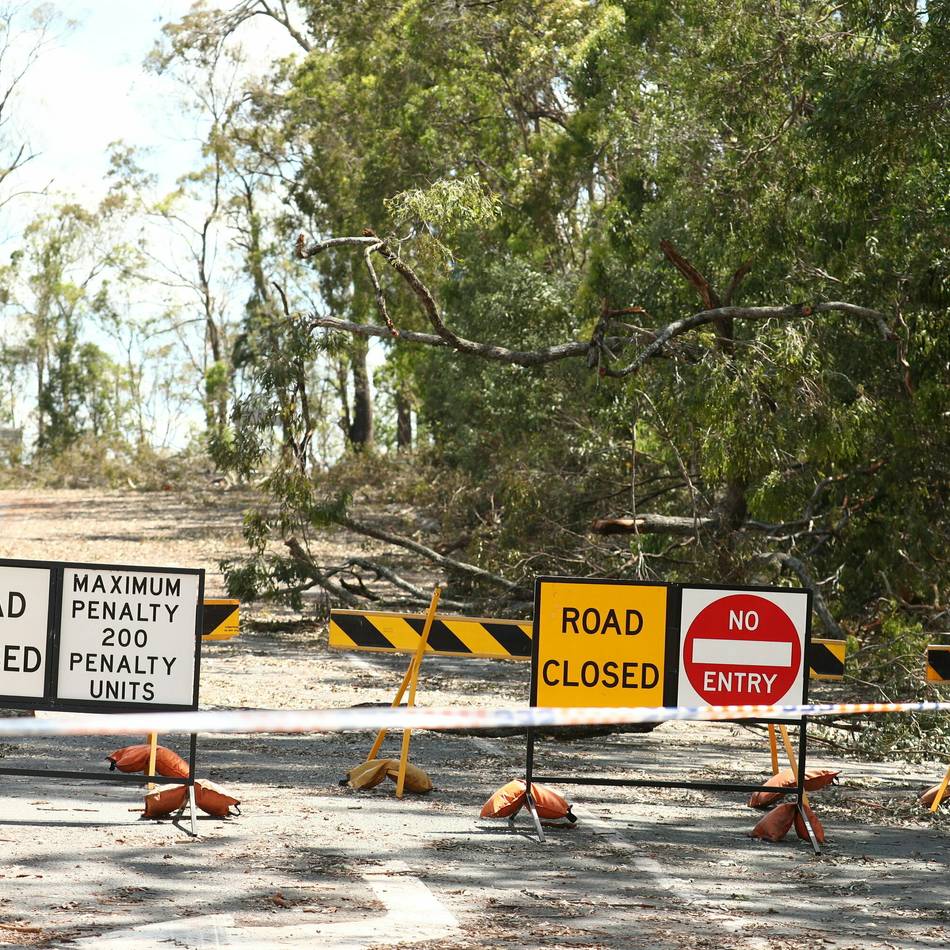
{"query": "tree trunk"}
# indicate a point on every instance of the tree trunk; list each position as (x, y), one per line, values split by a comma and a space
(403, 422)
(360, 431)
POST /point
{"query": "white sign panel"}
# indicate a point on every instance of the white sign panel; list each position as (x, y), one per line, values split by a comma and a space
(24, 615)
(742, 647)
(128, 636)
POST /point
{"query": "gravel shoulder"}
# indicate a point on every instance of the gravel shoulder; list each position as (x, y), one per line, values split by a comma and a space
(665, 868)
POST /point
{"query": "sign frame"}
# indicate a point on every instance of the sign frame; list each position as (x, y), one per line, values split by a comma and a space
(51, 702)
(670, 692)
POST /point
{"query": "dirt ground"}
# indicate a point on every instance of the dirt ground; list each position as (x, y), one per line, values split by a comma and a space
(311, 863)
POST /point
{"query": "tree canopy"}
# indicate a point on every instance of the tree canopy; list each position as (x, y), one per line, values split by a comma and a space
(662, 286)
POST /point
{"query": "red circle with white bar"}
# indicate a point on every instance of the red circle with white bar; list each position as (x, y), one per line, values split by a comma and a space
(742, 649)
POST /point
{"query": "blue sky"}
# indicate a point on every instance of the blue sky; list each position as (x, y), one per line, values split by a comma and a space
(89, 89)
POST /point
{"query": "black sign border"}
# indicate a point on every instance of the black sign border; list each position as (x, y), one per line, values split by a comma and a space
(535, 637)
(50, 702)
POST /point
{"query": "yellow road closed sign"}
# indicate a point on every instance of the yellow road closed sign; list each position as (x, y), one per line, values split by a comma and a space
(598, 643)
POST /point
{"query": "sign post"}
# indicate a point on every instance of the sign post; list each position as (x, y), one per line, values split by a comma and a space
(595, 643)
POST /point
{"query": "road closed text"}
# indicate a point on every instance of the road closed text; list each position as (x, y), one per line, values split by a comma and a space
(24, 614)
(611, 674)
(599, 644)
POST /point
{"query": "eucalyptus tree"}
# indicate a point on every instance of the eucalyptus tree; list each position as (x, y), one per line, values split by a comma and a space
(26, 32)
(54, 280)
(668, 283)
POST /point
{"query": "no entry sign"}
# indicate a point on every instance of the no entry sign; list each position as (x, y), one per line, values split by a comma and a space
(742, 646)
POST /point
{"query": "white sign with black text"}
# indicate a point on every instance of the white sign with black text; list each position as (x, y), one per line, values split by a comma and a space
(128, 636)
(24, 617)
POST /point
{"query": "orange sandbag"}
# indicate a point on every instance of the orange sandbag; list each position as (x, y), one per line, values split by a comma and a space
(367, 774)
(774, 826)
(130, 758)
(416, 779)
(507, 801)
(549, 804)
(169, 763)
(802, 831)
(164, 800)
(212, 799)
(134, 758)
(815, 778)
(930, 796)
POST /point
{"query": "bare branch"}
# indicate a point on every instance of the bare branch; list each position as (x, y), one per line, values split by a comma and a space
(708, 296)
(283, 297)
(369, 329)
(798, 568)
(380, 298)
(653, 524)
(248, 9)
(593, 349)
(417, 592)
(428, 553)
(311, 570)
(790, 312)
(736, 280)
(305, 253)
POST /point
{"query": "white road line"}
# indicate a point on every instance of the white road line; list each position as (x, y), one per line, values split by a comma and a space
(413, 914)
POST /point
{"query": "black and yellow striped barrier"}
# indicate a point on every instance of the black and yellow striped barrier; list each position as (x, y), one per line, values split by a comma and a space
(383, 632)
(938, 664)
(826, 659)
(220, 619)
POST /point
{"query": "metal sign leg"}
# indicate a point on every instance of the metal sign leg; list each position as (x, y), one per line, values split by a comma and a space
(529, 798)
(808, 827)
(192, 809)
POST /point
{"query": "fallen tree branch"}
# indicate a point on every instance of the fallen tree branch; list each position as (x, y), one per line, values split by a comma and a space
(653, 524)
(377, 289)
(311, 570)
(417, 592)
(708, 296)
(789, 312)
(798, 568)
(471, 570)
(595, 348)
(500, 354)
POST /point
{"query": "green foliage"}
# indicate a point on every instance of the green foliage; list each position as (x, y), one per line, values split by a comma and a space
(891, 656)
(444, 209)
(544, 150)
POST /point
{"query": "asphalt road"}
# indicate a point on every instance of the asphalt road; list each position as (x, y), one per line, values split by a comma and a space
(312, 864)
